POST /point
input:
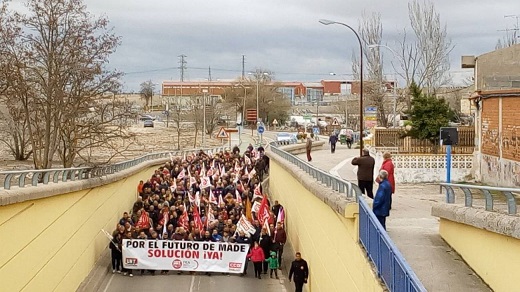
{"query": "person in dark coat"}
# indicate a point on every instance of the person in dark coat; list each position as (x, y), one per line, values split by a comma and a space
(265, 244)
(381, 205)
(365, 172)
(333, 139)
(300, 270)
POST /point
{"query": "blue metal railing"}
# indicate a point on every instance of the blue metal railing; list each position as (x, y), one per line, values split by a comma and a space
(44, 176)
(509, 195)
(338, 184)
(390, 264)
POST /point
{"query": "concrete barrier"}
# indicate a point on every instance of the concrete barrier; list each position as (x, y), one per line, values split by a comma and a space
(323, 226)
(51, 235)
(488, 241)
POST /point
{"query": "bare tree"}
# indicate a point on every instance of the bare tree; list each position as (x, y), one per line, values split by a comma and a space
(429, 52)
(147, 90)
(57, 71)
(371, 33)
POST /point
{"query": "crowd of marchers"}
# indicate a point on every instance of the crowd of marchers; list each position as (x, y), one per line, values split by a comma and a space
(201, 197)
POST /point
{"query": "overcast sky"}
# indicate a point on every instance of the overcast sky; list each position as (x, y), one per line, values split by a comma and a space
(283, 36)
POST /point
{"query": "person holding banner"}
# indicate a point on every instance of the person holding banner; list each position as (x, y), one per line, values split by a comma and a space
(117, 256)
(257, 257)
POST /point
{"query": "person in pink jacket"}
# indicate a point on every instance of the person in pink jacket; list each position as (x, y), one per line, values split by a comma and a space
(257, 257)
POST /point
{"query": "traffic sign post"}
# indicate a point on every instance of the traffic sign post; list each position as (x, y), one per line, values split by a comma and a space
(260, 130)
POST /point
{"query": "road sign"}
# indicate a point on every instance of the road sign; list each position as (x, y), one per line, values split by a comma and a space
(275, 122)
(260, 129)
(222, 134)
(335, 122)
(316, 130)
(251, 115)
(307, 117)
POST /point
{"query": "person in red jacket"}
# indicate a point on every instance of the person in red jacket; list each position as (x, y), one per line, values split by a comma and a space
(257, 257)
(388, 165)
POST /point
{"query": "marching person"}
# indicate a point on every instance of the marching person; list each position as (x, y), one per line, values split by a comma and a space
(365, 172)
(273, 264)
(333, 139)
(300, 270)
(381, 205)
(308, 148)
(280, 237)
(257, 257)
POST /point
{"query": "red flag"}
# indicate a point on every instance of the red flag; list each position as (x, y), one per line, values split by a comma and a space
(185, 220)
(197, 220)
(263, 212)
(144, 220)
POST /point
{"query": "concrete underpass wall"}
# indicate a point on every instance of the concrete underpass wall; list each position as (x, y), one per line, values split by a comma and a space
(323, 226)
(488, 241)
(52, 243)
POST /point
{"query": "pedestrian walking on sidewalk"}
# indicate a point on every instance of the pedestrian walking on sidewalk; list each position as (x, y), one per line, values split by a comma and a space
(333, 139)
(365, 172)
(300, 270)
(308, 147)
(381, 205)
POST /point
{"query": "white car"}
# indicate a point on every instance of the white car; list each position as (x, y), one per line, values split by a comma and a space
(285, 137)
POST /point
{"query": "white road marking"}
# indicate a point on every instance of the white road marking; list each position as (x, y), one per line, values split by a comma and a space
(334, 170)
(108, 284)
(192, 285)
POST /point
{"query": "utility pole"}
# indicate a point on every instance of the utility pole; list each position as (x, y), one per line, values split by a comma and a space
(243, 67)
(182, 66)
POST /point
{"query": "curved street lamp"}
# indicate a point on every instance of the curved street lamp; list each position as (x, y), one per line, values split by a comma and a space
(361, 121)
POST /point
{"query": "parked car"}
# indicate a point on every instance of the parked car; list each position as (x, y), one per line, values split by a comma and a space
(147, 117)
(286, 137)
(148, 123)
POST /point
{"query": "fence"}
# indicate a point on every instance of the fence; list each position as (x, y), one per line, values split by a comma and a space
(390, 264)
(44, 176)
(509, 194)
(394, 138)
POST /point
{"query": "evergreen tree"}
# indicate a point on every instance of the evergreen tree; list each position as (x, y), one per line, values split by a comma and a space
(427, 115)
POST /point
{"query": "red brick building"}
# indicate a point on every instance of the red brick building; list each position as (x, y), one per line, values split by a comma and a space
(497, 118)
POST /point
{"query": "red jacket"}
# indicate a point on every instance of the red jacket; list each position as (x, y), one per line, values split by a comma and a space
(256, 254)
(388, 165)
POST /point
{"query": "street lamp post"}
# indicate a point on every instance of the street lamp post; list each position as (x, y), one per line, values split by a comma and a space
(361, 122)
(393, 86)
(204, 118)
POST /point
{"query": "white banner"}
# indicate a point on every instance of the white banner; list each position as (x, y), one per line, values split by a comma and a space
(184, 255)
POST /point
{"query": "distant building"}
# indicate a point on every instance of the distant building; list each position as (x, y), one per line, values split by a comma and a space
(299, 93)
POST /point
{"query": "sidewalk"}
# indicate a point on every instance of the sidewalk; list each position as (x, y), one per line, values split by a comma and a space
(412, 228)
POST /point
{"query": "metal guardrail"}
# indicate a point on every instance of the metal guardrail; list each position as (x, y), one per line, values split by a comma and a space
(44, 176)
(390, 264)
(336, 183)
(486, 191)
